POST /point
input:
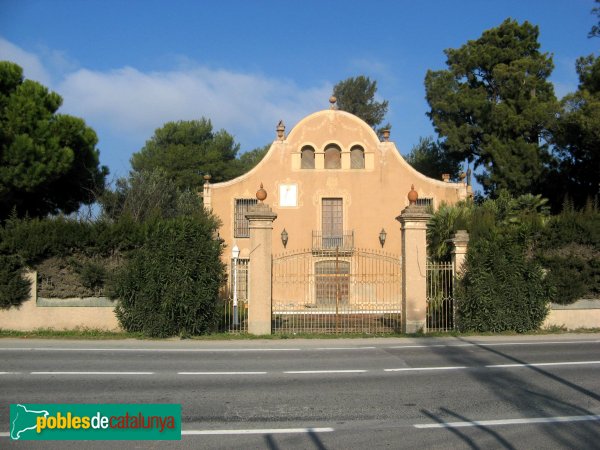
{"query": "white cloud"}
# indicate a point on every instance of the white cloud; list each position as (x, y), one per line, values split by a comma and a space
(133, 102)
(31, 64)
(127, 104)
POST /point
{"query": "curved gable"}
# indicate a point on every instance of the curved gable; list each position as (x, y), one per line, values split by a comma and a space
(333, 127)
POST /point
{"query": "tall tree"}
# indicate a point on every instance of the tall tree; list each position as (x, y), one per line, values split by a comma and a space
(186, 150)
(357, 96)
(250, 159)
(148, 195)
(429, 158)
(48, 161)
(494, 105)
(595, 31)
(577, 138)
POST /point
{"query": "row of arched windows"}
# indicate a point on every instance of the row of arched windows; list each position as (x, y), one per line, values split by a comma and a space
(333, 157)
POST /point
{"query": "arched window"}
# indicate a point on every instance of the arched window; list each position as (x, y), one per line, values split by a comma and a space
(333, 157)
(357, 157)
(308, 157)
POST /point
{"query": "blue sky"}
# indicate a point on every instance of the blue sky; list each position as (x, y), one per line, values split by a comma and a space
(129, 66)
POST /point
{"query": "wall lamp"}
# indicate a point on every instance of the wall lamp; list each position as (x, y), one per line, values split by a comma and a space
(284, 238)
(382, 236)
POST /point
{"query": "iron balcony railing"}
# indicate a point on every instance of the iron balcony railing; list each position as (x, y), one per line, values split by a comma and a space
(323, 241)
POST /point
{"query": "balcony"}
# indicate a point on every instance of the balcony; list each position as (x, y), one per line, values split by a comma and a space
(341, 243)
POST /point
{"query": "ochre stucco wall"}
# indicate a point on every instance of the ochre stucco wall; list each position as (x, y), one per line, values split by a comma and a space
(581, 314)
(29, 316)
(372, 197)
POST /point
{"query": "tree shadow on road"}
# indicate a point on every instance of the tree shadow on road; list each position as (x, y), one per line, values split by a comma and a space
(521, 388)
(469, 441)
(271, 444)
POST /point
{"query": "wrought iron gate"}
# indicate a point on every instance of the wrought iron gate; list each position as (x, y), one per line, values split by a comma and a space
(337, 291)
(235, 306)
(440, 297)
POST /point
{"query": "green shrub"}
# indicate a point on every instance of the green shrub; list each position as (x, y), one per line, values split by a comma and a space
(92, 274)
(14, 289)
(36, 239)
(502, 289)
(569, 250)
(443, 224)
(170, 285)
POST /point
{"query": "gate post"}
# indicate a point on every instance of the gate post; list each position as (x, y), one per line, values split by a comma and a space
(460, 242)
(413, 221)
(260, 218)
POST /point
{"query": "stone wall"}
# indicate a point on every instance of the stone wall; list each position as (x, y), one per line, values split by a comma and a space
(581, 314)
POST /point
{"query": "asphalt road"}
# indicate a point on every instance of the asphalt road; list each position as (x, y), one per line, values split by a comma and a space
(486, 392)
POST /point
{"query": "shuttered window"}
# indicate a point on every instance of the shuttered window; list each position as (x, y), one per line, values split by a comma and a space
(332, 282)
(333, 222)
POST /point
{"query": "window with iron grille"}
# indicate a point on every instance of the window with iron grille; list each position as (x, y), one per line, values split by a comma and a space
(241, 228)
(425, 201)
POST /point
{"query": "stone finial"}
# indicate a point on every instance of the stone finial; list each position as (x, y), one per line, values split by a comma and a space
(461, 236)
(332, 101)
(386, 134)
(413, 196)
(261, 194)
(207, 178)
(280, 130)
(446, 177)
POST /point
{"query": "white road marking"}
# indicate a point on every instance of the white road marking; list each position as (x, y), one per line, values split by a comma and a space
(222, 373)
(567, 363)
(242, 432)
(406, 369)
(158, 350)
(490, 423)
(345, 348)
(494, 344)
(318, 371)
(230, 350)
(92, 373)
(300, 372)
(258, 431)
(429, 346)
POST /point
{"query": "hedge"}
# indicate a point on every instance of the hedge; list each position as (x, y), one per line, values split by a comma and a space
(170, 285)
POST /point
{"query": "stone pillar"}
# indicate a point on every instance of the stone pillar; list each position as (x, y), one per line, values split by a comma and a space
(413, 221)
(460, 242)
(260, 219)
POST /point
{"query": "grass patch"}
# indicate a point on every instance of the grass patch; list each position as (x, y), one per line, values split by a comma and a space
(95, 334)
(281, 336)
(78, 333)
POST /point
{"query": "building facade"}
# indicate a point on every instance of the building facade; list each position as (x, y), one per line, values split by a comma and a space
(336, 189)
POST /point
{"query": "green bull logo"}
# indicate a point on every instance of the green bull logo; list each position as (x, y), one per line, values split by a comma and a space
(95, 422)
